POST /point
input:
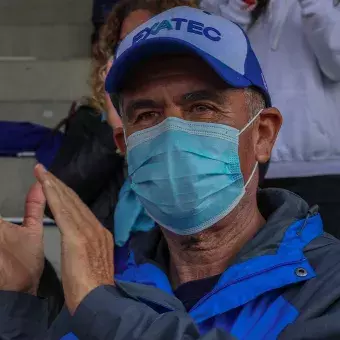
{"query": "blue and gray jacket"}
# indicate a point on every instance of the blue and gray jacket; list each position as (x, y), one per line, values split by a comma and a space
(284, 284)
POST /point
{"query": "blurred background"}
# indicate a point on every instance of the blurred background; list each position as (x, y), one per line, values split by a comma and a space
(45, 48)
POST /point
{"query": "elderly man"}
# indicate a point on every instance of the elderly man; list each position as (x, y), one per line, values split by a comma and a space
(225, 261)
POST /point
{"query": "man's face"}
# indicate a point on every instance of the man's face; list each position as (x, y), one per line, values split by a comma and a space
(185, 87)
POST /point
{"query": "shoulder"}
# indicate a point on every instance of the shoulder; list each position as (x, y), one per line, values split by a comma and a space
(317, 301)
(323, 291)
(323, 253)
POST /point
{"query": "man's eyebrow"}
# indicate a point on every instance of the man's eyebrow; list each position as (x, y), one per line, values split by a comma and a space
(212, 95)
(139, 104)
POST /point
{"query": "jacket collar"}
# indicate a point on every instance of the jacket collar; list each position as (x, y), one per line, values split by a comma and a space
(280, 208)
(271, 260)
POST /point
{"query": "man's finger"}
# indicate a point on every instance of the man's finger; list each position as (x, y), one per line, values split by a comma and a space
(52, 195)
(47, 179)
(41, 174)
(34, 208)
(67, 208)
(58, 199)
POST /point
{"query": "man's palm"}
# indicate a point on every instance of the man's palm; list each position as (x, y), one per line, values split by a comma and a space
(21, 248)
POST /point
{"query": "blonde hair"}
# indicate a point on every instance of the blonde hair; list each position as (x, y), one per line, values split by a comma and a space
(110, 35)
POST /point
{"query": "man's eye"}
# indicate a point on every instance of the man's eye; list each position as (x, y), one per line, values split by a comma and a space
(201, 108)
(147, 116)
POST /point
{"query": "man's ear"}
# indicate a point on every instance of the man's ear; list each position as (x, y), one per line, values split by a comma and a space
(118, 135)
(270, 121)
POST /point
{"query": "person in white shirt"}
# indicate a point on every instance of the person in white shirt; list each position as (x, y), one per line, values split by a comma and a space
(298, 46)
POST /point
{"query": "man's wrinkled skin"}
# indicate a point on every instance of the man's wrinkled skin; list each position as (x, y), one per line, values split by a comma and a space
(86, 247)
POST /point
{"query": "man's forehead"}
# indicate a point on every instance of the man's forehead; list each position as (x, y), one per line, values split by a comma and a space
(196, 92)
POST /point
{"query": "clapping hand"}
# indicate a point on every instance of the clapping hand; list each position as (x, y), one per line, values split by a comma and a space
(87, 247)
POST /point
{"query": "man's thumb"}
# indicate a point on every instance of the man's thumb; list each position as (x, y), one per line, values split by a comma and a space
(34, 208)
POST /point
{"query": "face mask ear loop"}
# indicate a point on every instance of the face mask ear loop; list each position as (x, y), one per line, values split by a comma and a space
(250, 122)
(241, 131)
(251, 175)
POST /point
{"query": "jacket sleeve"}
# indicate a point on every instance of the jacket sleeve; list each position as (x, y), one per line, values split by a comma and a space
(23, 317)
(233, 10)
(321, 20)
(105, 314)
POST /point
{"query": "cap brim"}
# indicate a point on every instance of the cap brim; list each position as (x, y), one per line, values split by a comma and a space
(157, 46)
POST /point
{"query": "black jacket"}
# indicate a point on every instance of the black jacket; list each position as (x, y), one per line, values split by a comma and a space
(89, 164)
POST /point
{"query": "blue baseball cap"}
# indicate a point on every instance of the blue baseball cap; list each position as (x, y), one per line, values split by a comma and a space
(218, 41)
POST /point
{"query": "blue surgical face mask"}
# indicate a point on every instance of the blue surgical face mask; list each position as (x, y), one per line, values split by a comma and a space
(186, 174)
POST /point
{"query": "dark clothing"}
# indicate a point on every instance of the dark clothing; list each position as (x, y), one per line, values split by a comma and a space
(88, 163)
(263, 168)
(100, 11)
(191, 292)
(321, 190)
(284, 284)
(51, 289)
